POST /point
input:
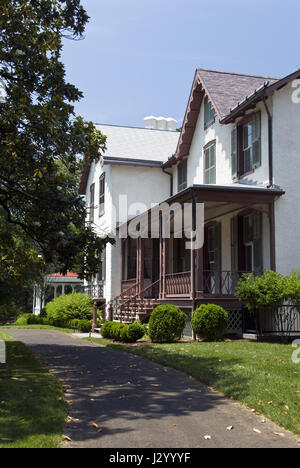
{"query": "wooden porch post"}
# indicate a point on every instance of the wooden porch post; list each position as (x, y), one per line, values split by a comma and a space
(123, 251)
(141, 273)
(162, 261)
(95, 316)
(199, 259)
(272, 236)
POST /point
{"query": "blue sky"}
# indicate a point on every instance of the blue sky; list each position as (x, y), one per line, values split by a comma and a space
(139, 57)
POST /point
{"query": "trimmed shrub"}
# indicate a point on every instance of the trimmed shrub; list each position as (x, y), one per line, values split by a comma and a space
(105, 329)
(84, 326)
(166, 324)
(135, 332)
(210, 322)
(27, 319)
(122, 332)
(116, 330)
(69, 307)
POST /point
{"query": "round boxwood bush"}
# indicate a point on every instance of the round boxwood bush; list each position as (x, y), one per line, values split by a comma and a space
(69, 307)
(166, 324)
(135, 332)
(116, 330)
(210, 322)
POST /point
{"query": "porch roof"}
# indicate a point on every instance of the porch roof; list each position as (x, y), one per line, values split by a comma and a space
(229, 195)
(233, 193)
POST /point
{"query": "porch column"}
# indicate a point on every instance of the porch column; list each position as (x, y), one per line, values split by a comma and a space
(140, 263)
(198, 256)
(272, 236)
(95, 317)
(162, 261)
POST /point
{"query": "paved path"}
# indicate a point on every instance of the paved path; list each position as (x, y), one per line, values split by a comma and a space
(138, 404)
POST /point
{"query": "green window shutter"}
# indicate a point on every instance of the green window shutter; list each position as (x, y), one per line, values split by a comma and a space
(234, 244)
(102, 194)
(256, 125)
(92, 202)
(234, 153)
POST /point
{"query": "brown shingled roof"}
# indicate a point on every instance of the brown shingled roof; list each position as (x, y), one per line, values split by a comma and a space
(227, 90)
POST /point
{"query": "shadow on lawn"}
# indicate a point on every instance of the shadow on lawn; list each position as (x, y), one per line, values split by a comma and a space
(122, 393)
(31, 402)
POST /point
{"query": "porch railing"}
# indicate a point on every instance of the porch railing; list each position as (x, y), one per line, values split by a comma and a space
(128, 285)
(178, 284)
(95, 290)
(221, 283)
(213, 283)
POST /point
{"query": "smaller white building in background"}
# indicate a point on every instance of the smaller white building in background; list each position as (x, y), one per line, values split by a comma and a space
(55, 285)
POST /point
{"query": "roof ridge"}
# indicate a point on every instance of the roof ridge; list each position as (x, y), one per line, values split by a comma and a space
(238, 74)
(136, 128)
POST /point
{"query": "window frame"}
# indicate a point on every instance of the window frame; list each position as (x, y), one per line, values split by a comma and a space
(181, 172)
(209, 119)
(102, 195)
(208, 146)
(239, 152)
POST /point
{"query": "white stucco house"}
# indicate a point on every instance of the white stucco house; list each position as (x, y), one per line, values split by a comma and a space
(238, 154)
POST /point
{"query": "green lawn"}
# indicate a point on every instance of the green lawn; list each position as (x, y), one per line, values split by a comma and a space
(36, 327)
(32, 406)
(260, 375)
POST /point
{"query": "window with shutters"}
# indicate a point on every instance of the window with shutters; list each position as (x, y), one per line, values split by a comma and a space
(102, 195)
(210, 163)
(209, 113)
(246, 243)
(182, 176)
(246, 146)
(92, 203)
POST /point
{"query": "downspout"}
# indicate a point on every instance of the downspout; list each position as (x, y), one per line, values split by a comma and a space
(271, 205)
(270, 130)
(171, 180)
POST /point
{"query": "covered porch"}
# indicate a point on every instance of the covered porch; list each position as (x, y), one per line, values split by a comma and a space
(238, 230)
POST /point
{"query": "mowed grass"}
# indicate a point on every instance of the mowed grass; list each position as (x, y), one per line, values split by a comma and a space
(35, 327)
(262, 376)
(32, 406)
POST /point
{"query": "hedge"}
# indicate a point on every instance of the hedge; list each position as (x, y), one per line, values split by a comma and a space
(123, 332)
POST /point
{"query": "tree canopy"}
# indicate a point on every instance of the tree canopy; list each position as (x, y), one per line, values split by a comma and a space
(41, 139)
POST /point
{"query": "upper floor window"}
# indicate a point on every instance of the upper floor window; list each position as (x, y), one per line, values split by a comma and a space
(210, 163)
(102, 194)
(182, 176)
(246, 146)
(92, 203)
(209, 113)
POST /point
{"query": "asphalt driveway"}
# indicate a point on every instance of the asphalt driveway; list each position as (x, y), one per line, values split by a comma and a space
(118, 400)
